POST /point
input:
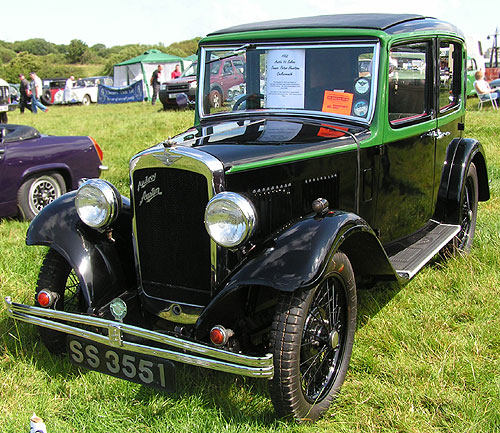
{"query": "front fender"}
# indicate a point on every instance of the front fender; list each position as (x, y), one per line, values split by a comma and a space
(460, 154)
(99, 262)
(296, 258)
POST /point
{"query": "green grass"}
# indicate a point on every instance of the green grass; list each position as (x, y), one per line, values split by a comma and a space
(426, 357)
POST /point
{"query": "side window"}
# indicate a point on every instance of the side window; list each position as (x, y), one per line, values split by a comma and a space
(409, 81)
(450, 73)
(227, 68)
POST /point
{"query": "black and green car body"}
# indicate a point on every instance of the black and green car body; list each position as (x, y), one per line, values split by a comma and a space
(343, 162)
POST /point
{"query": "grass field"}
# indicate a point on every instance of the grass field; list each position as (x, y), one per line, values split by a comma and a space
(426, 357)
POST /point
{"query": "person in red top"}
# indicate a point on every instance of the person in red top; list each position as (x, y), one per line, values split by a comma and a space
(176, 73)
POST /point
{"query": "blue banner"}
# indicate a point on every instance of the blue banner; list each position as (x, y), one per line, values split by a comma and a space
(119, 95)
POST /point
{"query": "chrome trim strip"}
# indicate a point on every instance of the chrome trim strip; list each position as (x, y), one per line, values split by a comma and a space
(211, 358)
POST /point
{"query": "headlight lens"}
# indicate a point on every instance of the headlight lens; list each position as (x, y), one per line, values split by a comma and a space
(230, 219)
(97, 203)
(193, 84)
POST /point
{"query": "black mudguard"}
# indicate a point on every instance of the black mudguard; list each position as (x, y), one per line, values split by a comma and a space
(460, 154)
(296, 258)
(102, 265)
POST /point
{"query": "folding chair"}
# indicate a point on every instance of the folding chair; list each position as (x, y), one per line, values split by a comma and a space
(486, 97)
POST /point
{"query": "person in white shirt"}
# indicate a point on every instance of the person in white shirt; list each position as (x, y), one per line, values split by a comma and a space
(70, 82)
(36, 94)
(482, 87)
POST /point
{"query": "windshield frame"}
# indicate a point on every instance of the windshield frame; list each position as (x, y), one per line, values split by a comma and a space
(337, 43)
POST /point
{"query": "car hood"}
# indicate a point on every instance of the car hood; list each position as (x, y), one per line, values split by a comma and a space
(181, 80)
(256, 140)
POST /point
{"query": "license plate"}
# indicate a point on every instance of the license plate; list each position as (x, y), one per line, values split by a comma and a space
(172, 95)
(4, 107)
(135, 367)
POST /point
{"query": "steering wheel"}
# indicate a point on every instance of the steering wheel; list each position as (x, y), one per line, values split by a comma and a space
(243, 98)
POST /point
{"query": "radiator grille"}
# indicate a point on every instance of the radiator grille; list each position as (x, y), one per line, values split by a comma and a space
(173, 245)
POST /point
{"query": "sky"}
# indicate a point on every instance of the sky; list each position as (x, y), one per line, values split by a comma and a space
(120, 22)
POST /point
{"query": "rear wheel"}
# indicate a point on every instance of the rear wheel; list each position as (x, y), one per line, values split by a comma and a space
(462, 242)
(57, 275)
(86, 100)
(311, 340)
(38, 191)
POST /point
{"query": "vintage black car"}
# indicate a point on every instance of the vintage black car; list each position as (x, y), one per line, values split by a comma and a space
(245, 238)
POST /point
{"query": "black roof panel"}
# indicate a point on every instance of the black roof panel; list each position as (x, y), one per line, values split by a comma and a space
(364, 21)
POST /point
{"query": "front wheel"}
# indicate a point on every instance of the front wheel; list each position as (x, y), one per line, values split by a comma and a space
(38, 191)
(311, 341)
(215, 99)
(57, 275)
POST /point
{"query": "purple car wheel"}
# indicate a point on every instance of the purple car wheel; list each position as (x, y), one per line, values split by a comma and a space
(38, 191)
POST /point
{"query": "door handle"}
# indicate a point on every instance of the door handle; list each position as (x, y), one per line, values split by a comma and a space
(436, 133)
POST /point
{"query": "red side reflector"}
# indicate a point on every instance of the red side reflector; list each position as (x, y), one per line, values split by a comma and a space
(97, 149)
(44, 299)
(217, 336)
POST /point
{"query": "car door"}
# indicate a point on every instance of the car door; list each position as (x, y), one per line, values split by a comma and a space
(406, 181)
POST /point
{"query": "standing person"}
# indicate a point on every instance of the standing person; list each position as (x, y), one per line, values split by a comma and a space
(155, 82)
(176, 73)
(36, 93)
(24, 94)
(70, 82)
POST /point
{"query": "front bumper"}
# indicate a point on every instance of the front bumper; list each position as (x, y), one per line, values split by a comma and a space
(201, 355)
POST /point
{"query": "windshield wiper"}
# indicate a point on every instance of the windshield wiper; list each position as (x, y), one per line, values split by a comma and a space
(237, 52)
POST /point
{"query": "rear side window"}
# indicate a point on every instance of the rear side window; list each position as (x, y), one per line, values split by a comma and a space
(450, 72)
(409, 81)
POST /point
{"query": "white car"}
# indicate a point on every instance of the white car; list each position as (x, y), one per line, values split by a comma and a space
(84, 92)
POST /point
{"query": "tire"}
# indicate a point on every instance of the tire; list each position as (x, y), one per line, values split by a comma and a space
(311, 341)
(38, 191)
(215, 99)
(462, 242)
(46, 97)
(86, 100)
(57, 276)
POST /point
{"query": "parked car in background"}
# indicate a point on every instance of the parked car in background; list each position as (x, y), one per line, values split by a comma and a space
(225, 74)
(84, 92)
(50, 87)
(6, 103)
(35, 169)
(183, 88)
(345, 163)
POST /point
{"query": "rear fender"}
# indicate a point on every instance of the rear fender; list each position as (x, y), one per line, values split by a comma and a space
(103, 266)
(460, 154)
(296, 258)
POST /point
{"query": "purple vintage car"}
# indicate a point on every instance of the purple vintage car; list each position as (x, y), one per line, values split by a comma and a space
(35, 169)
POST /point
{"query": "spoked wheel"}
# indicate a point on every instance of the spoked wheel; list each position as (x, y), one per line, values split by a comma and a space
(462, 242)
(57, 276)
(311, 341)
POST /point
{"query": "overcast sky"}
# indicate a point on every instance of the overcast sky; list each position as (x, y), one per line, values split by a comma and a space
(119, 22)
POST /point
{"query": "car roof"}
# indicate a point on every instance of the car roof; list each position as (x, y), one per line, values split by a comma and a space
(389, 23)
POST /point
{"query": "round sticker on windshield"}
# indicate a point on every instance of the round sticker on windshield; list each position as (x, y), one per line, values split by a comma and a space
(360, 108)
(362, 86)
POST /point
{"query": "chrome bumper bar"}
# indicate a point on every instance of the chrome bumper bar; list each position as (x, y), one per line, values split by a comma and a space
(201, 355)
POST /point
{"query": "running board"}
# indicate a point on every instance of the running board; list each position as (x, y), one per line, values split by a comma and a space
(409, 261)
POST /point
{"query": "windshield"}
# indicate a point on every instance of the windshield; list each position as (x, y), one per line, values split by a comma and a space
(336, 80)
(191, 71)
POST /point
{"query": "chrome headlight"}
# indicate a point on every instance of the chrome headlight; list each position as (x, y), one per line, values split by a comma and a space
(230, 219)
(97, 203)
(193, 84)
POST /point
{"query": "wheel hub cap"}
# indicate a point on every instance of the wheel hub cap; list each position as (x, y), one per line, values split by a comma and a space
(334, 339)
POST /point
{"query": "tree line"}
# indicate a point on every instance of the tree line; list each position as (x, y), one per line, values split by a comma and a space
(58, 60)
